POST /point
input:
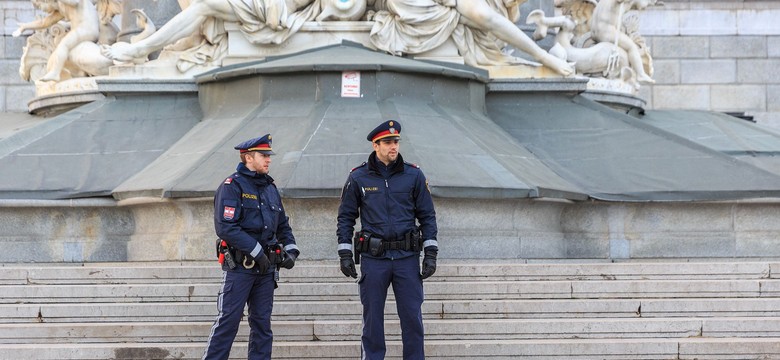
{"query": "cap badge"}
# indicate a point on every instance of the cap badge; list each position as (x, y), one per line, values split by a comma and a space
(392, 130)
(390, 123)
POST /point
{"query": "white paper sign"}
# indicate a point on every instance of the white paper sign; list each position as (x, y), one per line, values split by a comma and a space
(350, 84)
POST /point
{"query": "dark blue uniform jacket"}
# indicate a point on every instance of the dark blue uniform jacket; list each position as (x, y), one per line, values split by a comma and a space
(388, 200)
(248, 211)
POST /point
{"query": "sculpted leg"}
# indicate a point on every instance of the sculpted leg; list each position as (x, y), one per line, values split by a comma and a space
(479, 13)
(59, 56)
(182, 25)
(634, 58)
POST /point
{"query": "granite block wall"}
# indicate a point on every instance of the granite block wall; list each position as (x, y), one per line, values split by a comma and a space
(715, 55)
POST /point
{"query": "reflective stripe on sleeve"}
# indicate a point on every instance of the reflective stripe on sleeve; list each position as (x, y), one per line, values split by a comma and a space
(345, 246)
(431, 242)
(291, 247)
(256, 251)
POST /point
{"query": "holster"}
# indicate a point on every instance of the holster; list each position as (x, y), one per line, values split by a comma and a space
(360, 244)
(275, 253)
(224, 255)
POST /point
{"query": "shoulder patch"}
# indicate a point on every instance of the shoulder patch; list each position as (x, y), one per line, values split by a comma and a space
(228, 181)
(358, 167)
(412, 165)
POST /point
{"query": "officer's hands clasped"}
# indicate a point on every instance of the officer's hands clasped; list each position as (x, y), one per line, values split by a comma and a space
(429, 264)
(347, 264)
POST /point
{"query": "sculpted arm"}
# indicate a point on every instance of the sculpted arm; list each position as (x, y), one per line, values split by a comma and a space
(46, 22)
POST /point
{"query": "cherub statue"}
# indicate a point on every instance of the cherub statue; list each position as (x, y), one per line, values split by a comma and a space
(601, 59)
(76, 47)
(606, 26)
(605, 21)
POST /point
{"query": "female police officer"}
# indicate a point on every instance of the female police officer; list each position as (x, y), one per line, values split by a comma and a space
(388, 195)
(256, 240)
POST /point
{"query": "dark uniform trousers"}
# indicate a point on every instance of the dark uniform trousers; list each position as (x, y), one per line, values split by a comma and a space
(404, 275)
(238, 288)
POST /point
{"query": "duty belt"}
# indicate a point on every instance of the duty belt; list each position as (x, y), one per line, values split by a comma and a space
(405, 244)
(410, 242)
(272, 251)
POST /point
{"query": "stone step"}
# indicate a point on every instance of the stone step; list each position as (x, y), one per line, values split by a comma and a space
(448, 270)
(434, 290)
(575, 349)
(349, 330)
(432, 309)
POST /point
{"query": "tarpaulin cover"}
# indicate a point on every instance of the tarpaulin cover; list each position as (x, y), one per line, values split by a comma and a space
(751, 143)
(320, 135)
(92, 149)
(617, 157)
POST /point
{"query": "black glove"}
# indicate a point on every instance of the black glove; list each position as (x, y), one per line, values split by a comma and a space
(262, 262)
(429, 263)
(347, 264)
(289, 259)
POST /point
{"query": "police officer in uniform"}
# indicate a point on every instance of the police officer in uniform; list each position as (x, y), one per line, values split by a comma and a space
(255, 241)
(390, 196)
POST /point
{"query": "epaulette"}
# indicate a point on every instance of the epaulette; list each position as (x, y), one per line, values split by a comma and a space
(358, 167)
(228, 181)
(412, 165)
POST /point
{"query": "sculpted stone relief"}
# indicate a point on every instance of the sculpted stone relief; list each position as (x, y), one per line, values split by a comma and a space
(71, 47)
(600, 37)
(594, 38)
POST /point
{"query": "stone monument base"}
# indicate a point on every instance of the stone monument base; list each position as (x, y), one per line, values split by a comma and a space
(93, 230)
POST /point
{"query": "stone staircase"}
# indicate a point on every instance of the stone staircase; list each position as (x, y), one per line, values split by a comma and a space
(473, 310)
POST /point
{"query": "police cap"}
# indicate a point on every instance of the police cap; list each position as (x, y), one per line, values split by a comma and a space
(261, 144)
(387, 129)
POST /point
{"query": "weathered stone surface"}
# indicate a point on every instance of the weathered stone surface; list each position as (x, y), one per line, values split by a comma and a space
(681, 97)
(738, 97)
(758, 71)
(738, 47)
(708, 71)
(676, 47)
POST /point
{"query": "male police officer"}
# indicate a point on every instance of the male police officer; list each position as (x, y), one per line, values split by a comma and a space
(388, 195)
(256, 241)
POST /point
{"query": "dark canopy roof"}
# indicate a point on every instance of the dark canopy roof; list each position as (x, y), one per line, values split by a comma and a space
(617, 157)
(319, 135)
(92, 149)
(743, 140)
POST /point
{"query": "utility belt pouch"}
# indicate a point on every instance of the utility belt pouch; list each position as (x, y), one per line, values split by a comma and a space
(274, 253)
(361, 240)
(375, 247)
(414, 240)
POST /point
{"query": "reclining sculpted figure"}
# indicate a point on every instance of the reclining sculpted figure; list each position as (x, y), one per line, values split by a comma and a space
(415, 26)
(262, 21)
